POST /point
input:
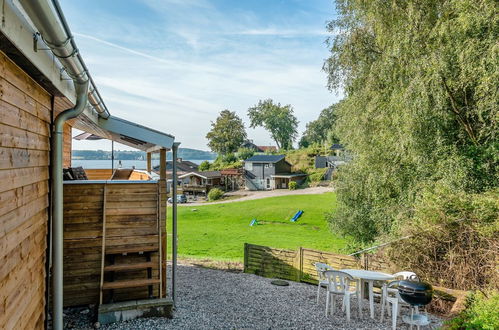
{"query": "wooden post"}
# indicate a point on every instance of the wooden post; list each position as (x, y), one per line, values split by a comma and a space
(149, 167)
(246, 250)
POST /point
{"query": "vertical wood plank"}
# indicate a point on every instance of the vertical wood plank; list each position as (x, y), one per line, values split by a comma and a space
(103, 250)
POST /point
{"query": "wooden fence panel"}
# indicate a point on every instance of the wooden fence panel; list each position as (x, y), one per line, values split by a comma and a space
(291, 265)
(337, 261)
(131, 218)
(269, 262)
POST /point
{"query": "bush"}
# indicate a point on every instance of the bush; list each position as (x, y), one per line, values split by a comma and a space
(245, 153)
(293, 185)
(452, 240)
(229, 158)
(204, 166)
(215, 194)
(317, 175)
(480, 313)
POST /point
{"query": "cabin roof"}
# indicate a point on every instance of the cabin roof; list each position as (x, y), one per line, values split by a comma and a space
(265, 158)
(203, 175)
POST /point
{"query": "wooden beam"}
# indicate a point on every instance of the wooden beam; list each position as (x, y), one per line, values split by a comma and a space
(162, 164)
(149, 167)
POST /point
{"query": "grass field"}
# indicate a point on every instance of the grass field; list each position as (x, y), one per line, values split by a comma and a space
(219, 231)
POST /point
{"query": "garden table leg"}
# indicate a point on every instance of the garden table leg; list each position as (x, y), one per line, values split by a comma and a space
(371, 298)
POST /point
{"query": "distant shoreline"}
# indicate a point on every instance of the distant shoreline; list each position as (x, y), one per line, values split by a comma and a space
(125, 163)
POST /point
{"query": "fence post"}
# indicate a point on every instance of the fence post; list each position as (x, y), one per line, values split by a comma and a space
(245, 257)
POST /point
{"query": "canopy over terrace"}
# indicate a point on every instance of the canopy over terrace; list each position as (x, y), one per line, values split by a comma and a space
(142, 138)
(127, 133)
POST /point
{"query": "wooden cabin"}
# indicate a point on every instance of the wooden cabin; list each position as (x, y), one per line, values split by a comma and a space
(104, 221)
(200, 182)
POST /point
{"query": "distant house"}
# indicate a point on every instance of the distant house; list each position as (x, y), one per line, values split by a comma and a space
(330, 161)
(248, 144)
(200, 182)
(182, 166)
(267, 172)
(267, 149)
(337, 149)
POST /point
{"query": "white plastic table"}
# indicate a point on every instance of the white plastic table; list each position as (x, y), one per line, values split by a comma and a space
(369, 277)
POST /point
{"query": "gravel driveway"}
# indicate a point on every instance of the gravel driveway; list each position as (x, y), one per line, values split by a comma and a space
(246, 195)
(214, 299)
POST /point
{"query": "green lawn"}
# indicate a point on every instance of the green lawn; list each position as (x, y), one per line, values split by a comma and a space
(219, 231)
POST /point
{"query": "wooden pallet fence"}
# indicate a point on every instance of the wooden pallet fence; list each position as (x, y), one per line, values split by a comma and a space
(291, 265)
(131, 214)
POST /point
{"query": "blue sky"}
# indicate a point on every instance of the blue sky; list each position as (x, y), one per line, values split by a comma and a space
(173, 65)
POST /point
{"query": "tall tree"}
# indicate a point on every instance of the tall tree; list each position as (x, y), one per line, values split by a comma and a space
(420, 110)
(227, 133)
(278, 120)
(321, 130)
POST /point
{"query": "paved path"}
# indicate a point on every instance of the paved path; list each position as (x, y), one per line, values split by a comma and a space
(247, 195)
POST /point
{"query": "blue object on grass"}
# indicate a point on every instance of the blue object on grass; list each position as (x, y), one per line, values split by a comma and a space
(254, 222)
(296, 216)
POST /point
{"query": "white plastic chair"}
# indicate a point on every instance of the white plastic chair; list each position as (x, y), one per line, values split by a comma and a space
(340, 284)
(321, 268)
(390, 295)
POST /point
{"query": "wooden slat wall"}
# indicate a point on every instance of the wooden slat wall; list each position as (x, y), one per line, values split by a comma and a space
(98, 174)
(25, 116)
(139, 176)
(131, 214)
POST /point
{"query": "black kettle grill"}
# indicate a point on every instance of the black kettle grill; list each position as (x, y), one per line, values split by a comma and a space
(415, 293)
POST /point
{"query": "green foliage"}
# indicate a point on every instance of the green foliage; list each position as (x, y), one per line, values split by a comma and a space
(304, 159)
(227, 133)
(278, 120)
(316, 175)
(245, 153)
(229, 158)
(454, 236)
(215, 194)
(226, 161)
(293, 185)
(420, 107)
(320, 131)
(219, 231)
(204, 166)
(480, 313)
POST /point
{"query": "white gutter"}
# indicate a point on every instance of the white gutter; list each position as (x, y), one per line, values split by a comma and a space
(48, 18)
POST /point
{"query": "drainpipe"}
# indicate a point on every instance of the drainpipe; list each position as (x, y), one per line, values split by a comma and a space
(174, 221)
(57, 201)
(48, 19)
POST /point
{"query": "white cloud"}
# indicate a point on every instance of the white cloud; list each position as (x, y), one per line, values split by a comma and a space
(177, 75)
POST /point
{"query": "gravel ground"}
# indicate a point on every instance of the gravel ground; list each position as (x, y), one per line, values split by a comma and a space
(215, 299)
